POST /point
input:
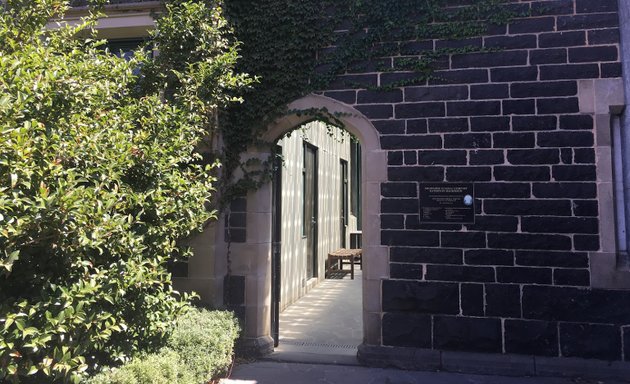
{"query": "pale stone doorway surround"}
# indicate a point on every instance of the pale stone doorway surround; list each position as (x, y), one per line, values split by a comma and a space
(252, 259)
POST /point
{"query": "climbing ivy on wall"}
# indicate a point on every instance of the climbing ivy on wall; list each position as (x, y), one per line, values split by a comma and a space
(295, 47)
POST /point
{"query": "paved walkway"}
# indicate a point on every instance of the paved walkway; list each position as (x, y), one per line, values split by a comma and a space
(319, 335)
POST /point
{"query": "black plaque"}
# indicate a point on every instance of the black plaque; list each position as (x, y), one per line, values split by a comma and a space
(447, 203)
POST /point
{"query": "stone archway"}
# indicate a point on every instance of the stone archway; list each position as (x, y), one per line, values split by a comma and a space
(252, 259)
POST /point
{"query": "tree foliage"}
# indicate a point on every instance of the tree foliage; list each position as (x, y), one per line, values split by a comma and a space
(99, 179)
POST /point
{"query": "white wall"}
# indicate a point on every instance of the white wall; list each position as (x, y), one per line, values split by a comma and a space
(332, 145)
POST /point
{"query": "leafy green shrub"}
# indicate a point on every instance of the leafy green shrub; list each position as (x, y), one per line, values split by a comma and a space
(99, 179)
(157, 368)
(199, 350)
(205, 342)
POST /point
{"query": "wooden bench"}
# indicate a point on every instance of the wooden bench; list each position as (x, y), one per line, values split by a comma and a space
(344, 255)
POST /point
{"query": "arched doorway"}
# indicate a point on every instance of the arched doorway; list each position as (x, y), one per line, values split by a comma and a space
(374, 166)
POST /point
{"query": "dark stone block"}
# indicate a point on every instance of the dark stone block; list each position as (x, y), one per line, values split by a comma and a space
(544, 89)
(576, 304)
(468, 174)
(235, 235)
(559, 224)
(414, 110)
(519, 107)
(237, 219)
(552, 7)
(529, 25)
(494, 224)
(574, 172)
(380, 97)
(576, 122)
(442, 157)
(436, 93)
(490, 123)
(392, 221)
(420, 297)
(593, 54)
(466, 76)
(524, 275)
(424, 174)
(177, 268)
(390, 127)
(426, 255)
(412, 48)
(473, 108)
(411, 142)
(569, 71)
(417, 126)
(398, 205)
(405, 271)
(354, 81)
(566, 139)
(503, 300)
(590, 6)
(562, 39)
(521, 173)
(489, 257)
(409, 238)
(467, 334)
(591, 341)
(533, 156)
(626, 342)
(552, 259)
(489, 91)
(558, 105)
(528, 207)
(590, 21)
(467, 140)
(399, 189)
(611, 70)
(586, 242)
(491, 59)
(576, 277)
(348, 97)
(459, 43)
(410, 157)
(504, 75)
(585, 208)
(459, 273)
(394, 158)
(530, 337)
(604, 36)
(566, 155)
(548, 56)
(527, 241)
(234, 290)
(472, 302)
(407, 330)
(448, 125)
(239, 205)
(397, 78)
(486, 157)
(534, 123)
(376, 111)
(502, 190)
(463, 239)
(513, 140)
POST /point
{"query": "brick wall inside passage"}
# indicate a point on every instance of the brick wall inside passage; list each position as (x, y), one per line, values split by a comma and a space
(516, 281)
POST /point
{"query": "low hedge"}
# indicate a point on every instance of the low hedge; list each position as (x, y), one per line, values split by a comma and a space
(199, 349)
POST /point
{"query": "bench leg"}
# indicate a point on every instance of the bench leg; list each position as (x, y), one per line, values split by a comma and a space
(352, 267)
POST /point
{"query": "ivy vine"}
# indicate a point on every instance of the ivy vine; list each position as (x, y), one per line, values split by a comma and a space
(295, 47)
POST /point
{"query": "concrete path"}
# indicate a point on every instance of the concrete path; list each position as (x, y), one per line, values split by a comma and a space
(319, 335)
(271, 372)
